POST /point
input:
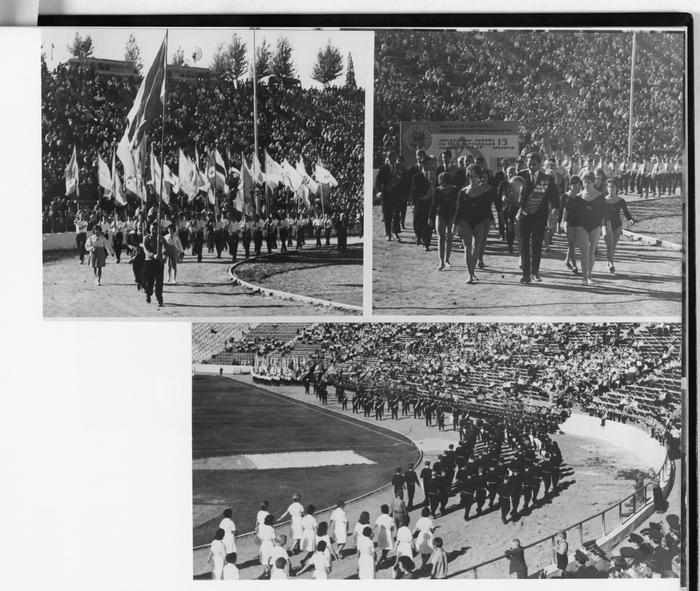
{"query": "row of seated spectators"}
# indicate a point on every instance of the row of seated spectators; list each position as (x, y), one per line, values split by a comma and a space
(569, 91)
(88, 110)
(257, 340)
(563, 365)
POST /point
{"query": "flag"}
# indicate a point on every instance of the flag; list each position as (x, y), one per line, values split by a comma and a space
(216, 170)
(149, 99)
(291, 177)
(256, 169)
(202, 182)
(72, 177)
(171, 179)
(324, 177)
(104, 176)
(310, 183)
(140, 156)
(128, 161)
(246, 188)
(273, 172)
(156, 179)
(117, 183)
(188, 176)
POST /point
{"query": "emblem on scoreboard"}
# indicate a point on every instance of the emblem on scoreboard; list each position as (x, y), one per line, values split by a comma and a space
(417, 137)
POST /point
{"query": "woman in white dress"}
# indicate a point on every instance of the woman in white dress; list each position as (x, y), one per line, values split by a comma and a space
(229, 528)
(217, 555)
(296, 512)
(266, 534)
(320, 562)
(384, 527)
(404, 542)
(339, 527)
(260, 516)
(365, 554)
(308, 533)
(362, 522)
(424, 535)
(322, 536)
(98, 246)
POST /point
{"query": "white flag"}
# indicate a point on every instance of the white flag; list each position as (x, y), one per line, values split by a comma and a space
(273, 172)
(104, 176)
(310, 183)
(72, 176)
(128, 160)
(324, 177)
(256, 169)
(291, 177)
(188, 176)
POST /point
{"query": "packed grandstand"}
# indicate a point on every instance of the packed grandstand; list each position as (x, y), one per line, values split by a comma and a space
(627, 372)
(507, 389)
(568, 90)
(87, 109)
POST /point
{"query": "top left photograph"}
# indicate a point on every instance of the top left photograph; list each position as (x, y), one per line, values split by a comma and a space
(203, 172)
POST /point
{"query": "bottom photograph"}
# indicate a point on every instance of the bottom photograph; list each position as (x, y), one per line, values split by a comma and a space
(441, 450)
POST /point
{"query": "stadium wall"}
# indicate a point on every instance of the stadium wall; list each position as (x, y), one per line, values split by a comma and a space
(228, 370)
(59, 241)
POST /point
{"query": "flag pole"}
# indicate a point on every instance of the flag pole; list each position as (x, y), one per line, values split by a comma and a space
(629, 136)
(255, 103)
(162, 143)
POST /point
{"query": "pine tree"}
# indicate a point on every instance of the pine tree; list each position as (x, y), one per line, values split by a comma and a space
(132, 53)
(81, 47)
(231, 59)
(328, 66)
(350, 73)
(282, 65)
(263, 59)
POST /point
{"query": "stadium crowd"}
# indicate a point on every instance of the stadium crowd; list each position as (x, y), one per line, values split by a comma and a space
(88, 110)
(505, 457)
(568, 90)
(573, 166)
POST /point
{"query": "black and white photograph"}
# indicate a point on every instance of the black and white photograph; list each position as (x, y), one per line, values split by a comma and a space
(530, 172)
(261, 184)
(438, 451)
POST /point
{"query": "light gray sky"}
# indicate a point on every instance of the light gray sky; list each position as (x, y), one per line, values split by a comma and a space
(109, 43)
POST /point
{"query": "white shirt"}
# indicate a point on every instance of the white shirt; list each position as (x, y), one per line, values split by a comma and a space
(231, 572)
(340, 518)
(321, 565)
(260, 517)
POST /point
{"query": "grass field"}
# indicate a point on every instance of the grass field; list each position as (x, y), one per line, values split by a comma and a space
(660, 217)
(229, 417)
(325, 273)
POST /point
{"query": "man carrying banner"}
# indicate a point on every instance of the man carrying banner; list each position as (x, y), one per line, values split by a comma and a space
(153, 265)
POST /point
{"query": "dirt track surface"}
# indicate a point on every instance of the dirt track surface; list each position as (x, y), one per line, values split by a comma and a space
(203, 290)
(648, 281)
(324, 273)
(597, 474)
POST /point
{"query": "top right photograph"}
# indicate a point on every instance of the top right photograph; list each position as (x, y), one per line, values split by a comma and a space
(530, 173)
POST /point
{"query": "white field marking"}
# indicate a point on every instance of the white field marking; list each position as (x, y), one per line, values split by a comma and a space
(273, 461)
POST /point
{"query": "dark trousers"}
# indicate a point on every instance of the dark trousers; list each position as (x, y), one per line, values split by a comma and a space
(531, 235)
(80, 240)
(219, 242)
(342, 240)
(257, 241)
(283, 239)
(246, 243)
(327, 234)
(233, 246)
(410, 491)
(184, 238)
(118, 246)
(391, 209)
(505, 507)
(421, 222)
(300, 236)
(555, 477)
(137, 267)
(153, 278)
(434, 500)
(547, 479)
(514, 502)
(467, 502)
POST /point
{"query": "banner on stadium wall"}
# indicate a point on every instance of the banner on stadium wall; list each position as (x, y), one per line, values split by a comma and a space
(494, 140)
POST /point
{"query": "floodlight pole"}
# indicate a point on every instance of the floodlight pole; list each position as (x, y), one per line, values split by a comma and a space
(629, 136)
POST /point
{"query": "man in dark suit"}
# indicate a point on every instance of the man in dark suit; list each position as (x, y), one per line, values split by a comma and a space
(411, 482)
(539, 198)
(425, 475)
(391, 183)
(516, 555)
